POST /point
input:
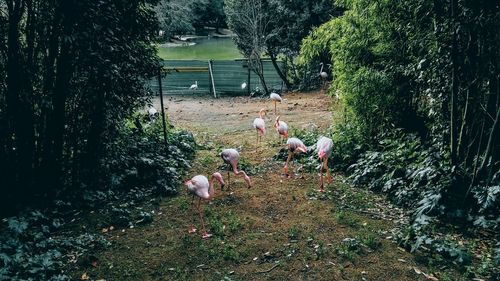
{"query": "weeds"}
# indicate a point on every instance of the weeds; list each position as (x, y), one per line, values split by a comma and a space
(371, 241)
(222, 225)
(346, 218)
(293, 232)
(349, 249)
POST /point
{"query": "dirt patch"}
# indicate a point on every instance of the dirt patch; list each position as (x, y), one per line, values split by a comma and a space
(280, 229)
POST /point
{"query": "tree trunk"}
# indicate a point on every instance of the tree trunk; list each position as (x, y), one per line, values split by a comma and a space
(19, 112)
(278, 70)
(454, 87)
(55, 128)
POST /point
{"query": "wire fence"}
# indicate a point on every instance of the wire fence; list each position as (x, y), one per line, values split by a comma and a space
(227, 76)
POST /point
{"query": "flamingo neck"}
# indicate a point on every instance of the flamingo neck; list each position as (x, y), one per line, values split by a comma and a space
(321, 70)
(211, 189)
(262, 112)
(241, 172)
(235, 169)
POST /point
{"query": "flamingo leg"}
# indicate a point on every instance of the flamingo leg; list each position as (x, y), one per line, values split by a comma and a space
(274, 107)
(192, 229)
(285, 169)
(205, 235)
(330, 178)
(321, 183)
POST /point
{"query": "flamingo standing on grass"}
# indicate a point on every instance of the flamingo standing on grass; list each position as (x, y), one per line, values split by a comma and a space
(260, 125)
(231, 157)
(276, 98)
(295, 146)
(281, 128)
(200, 186)
(324, 147)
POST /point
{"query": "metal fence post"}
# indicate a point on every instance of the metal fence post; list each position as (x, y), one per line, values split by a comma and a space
(248, 79)
(162, 107)
(211, 74)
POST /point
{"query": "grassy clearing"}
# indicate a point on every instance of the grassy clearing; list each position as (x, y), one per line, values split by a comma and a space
(205, 49)
(281, 229)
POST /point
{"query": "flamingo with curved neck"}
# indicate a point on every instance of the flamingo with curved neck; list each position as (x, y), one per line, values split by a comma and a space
(295, 146)
(202, 188)
(281, 128)
(230, 157)
(276, 98)
(260, 125)
(325, 148)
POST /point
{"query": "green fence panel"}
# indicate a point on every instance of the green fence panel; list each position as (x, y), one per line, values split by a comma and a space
(228, 77)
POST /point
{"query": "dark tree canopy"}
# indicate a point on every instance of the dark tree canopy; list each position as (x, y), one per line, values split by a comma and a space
(70, 72)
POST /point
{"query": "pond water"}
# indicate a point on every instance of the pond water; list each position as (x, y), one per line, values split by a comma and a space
(205, 48)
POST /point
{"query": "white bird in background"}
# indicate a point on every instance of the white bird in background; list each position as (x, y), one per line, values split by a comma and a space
(244, 85)
(260, 125)
(152, 112)
(323, 76)
(276, 98)
(200, 186)
(324, 146)
(194, 87)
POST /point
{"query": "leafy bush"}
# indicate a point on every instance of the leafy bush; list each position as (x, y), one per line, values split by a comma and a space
(30, 249)
(38, 245)
(143, 160)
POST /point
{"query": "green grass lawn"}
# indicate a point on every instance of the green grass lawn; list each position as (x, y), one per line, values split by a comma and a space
(205, 49)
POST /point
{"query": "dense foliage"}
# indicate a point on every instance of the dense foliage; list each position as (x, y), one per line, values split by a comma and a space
(424, 74)
(70, 72)
(419, 81)
(40, 244)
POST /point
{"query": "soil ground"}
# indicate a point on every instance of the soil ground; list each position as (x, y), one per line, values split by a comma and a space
(280, 229)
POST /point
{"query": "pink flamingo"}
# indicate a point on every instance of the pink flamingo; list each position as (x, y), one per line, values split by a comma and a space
(324, 147)
(295, 146)
(201, 187)
(231, 157)
(323, 76)
(281, 128)
(276, 98)
(260, 125)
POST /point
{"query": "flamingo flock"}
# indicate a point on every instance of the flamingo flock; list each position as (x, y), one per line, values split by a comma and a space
(199, 186)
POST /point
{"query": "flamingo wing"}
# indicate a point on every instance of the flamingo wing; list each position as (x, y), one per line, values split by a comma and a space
(295, 143)
(259, 124)
(275, 97)
(201, 186)
(230, 155)
(282, 127)
(326, 145)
